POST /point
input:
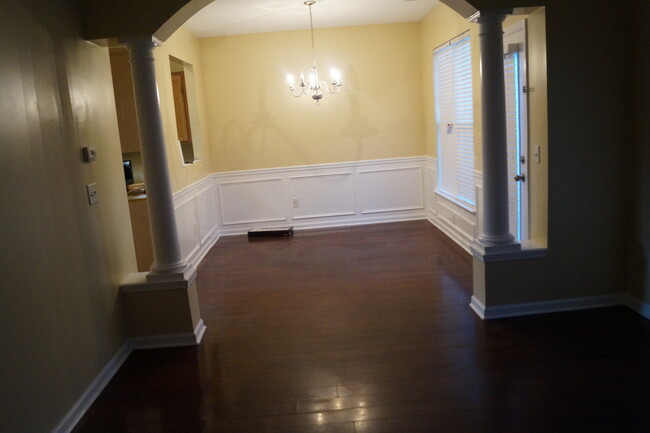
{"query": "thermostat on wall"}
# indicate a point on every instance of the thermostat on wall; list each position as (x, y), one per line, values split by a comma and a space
(89, 153)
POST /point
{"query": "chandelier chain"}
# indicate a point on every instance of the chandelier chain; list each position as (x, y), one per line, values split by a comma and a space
(311, 26)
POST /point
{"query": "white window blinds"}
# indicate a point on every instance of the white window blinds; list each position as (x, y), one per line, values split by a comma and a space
(452, 77)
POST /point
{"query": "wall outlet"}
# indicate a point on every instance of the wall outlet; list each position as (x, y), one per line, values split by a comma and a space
(91, 189)
(296, 203)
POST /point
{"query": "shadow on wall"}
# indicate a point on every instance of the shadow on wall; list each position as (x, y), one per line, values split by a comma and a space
(261, 137)
(358, 127)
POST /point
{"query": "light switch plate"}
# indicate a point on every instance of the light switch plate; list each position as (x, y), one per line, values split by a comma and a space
(536, 154)
(91, 189)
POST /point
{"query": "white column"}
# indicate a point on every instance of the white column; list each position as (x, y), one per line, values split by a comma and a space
(168, 263)
(495, 234)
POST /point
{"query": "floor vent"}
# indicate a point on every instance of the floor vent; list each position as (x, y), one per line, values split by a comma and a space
(272, 232)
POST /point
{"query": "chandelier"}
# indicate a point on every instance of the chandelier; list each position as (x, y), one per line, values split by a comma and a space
(313, 86)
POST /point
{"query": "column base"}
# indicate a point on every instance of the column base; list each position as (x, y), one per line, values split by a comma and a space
(494, 252)
(183, 272)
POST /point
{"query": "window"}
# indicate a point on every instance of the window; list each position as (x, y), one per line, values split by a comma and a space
(452, 78)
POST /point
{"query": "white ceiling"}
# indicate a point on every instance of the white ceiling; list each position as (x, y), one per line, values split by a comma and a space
(236, 17)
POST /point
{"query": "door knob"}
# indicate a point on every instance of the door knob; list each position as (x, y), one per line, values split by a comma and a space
(520, 178)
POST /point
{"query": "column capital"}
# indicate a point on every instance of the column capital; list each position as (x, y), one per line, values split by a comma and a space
(141, 40)
(491, 15)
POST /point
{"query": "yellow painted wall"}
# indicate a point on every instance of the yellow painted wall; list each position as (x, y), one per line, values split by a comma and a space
(62, 260)
(253, 122)
(184, 46)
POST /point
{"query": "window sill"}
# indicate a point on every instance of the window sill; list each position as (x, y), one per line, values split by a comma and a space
(469, 208)
(187, 164)
(503, 253)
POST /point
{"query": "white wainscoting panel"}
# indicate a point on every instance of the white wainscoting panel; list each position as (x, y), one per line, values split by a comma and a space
(187, 226)
(322, 195)
(197, 219)
(391, 189)
(252, 201)
(205, 211)
(327, 195)
(429, 186)
(454, 220)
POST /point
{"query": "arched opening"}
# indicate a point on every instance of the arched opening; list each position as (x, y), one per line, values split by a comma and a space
(253, 127)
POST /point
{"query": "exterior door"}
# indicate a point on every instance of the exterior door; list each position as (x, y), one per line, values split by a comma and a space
(514, 44)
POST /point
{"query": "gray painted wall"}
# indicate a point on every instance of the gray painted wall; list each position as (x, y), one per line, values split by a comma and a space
(62, 260)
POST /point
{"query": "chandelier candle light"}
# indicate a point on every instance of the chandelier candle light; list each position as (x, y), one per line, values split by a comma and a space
(313, 87)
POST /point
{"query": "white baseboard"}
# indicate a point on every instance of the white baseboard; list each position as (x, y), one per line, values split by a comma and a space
(643, 308)
(203, 249)
(92, 392)
(338, 223)
(529, 308)
(452, 233)
(96, 387)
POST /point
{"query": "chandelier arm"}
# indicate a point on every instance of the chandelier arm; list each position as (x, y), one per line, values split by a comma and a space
(334, 89)
(299, 94)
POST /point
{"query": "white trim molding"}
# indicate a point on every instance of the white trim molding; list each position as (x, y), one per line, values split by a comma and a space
(642, 308)
(91, 393)
(321, 195)
(77, 411)
(554, 306)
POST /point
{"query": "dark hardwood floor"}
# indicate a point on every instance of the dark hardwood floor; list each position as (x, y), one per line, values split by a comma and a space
(368, 330)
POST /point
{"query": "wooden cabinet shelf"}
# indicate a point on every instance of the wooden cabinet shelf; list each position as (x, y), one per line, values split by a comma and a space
(124, 100)
(141, 233)
(180, 107)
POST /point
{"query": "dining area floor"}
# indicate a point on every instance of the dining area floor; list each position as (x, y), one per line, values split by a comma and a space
(368, 329)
